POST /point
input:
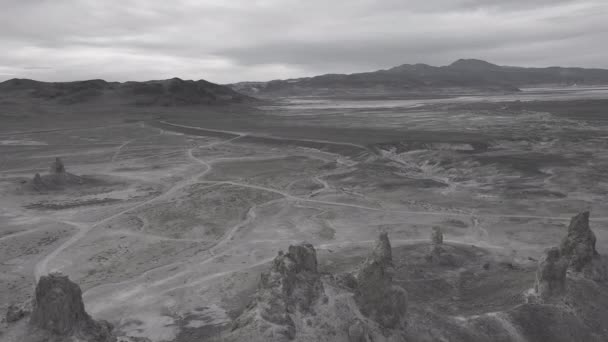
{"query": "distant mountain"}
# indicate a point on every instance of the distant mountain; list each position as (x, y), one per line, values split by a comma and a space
(464, 74)
(172, 92)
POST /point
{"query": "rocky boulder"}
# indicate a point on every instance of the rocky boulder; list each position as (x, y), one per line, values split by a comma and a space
(376, 295)
(551, 275)
(579, 244)
(59, 313)
(291, 287)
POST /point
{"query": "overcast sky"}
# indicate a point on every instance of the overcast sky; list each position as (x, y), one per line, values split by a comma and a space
(237, 40)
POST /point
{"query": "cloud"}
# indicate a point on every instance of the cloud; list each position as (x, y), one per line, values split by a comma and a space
(228, 41)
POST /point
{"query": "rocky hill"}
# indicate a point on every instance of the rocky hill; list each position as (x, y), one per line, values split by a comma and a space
(464, 74)
(172, 92)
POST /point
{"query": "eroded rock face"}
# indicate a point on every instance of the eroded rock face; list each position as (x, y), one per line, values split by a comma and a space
(551, 275)
(292, 285)
(59, 311)
(296, 274)
(376, 295)
(579, 244)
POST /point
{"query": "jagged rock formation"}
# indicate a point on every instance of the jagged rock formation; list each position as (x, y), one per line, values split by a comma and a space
(59, 313)
(291, 286)
(562, 306)
(579, 244)
(551, 275)
(376, 295)
(576, 252)
(57, 178)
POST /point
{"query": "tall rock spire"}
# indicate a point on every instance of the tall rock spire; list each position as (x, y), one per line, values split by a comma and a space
(376, 295)
(59, 312)
(578, 245)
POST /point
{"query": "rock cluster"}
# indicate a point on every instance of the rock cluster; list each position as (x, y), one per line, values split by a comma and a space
(57, 178)
(376, 295)
(576, 253)
(579, 244)
(59, 312)
(551, 275)
(291, 286)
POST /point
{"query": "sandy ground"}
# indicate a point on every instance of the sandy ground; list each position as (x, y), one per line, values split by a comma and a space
(182, 211)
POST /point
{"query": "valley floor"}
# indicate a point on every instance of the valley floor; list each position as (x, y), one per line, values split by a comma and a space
(179, 212)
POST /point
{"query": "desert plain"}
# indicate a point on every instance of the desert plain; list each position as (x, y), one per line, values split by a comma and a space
(178, 210)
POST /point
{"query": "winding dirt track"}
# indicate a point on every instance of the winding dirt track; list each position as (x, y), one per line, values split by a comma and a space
(325, 185)
(42, 268)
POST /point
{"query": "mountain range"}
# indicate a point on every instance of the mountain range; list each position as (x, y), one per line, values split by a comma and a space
(469, 74)
(171, 92)
(462, 76)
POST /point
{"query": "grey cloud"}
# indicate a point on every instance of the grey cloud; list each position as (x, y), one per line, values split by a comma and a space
(465, 5)
(440, 46)
(236, 40)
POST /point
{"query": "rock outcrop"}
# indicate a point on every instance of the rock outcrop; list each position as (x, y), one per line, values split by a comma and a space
(376, 295)
(291, 287)
(551, 275)
(579, 244)
(576, 253)
(57, 178)
(59, 313)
